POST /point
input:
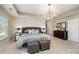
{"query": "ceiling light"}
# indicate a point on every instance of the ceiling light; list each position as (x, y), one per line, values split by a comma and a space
(50, 13)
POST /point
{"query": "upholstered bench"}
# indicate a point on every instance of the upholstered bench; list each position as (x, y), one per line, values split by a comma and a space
(44, 44)
(33, 47)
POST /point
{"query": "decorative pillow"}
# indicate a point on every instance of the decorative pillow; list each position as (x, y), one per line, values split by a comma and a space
(30, 31)
(26, 31)
(34, 31)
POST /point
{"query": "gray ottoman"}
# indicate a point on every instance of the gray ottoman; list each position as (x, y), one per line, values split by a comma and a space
(33, 47)
(44, 44)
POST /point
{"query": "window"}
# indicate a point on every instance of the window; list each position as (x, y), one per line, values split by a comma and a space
(3, 27)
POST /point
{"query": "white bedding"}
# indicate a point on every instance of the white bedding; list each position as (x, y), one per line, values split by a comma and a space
(31, 37)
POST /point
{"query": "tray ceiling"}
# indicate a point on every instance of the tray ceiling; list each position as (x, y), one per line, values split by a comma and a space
(37, 9)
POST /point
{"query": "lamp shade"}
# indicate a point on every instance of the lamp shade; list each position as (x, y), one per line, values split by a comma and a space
(18, 28)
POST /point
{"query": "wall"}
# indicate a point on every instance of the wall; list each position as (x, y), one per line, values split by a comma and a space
(31, 21)
(67, 16)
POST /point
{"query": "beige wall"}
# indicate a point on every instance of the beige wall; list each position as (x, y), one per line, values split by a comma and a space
(29, 21)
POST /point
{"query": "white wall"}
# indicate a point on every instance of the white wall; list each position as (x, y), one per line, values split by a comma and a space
(31, 21)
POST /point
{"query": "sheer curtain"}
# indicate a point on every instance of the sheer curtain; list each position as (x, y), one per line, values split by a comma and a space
(3, 27)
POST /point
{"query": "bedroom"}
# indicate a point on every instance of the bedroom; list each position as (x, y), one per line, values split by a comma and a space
(32, 17)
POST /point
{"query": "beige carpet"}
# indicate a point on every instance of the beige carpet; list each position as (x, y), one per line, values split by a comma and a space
(58, 46)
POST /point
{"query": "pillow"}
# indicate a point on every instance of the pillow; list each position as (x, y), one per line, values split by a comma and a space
(34, 31)
(30, 31)
(26, 31)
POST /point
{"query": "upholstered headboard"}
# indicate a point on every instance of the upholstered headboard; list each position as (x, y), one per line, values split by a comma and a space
(26, 28)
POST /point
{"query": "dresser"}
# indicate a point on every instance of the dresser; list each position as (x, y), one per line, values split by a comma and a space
(60, 34)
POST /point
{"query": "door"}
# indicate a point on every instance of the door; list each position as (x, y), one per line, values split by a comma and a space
(72, 27)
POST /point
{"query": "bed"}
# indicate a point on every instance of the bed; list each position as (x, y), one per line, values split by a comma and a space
(26, 37)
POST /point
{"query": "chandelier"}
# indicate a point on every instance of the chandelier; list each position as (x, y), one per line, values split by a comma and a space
(50, 13)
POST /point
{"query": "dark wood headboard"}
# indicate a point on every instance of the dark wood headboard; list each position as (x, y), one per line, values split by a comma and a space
(26, 28)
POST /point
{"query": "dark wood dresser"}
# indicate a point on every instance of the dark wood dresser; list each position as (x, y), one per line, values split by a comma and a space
(60, 34)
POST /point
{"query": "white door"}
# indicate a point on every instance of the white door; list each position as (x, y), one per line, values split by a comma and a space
(72, 27)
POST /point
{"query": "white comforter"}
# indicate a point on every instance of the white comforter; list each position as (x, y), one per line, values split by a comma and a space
(31, 37)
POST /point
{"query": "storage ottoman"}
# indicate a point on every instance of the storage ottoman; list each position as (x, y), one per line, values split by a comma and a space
(33, 47)
(44, 44)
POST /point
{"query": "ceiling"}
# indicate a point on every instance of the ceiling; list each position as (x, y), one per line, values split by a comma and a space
(37, 9)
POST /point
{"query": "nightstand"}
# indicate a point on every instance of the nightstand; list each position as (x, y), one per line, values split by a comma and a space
(17, 35)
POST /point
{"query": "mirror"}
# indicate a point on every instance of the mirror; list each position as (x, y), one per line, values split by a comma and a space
(61, 26)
